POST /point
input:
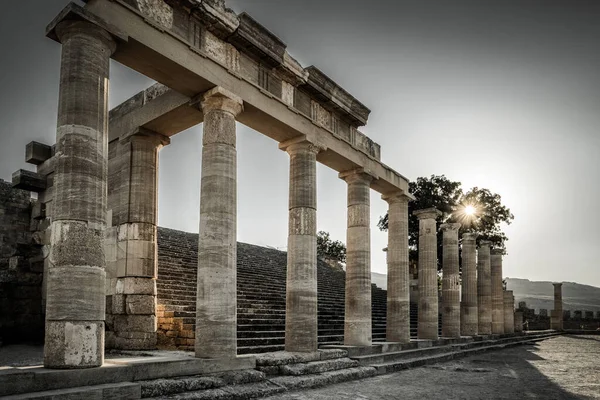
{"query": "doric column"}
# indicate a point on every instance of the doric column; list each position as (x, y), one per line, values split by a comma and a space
(428, 287)
(497, 289)
(450, 281)
(75, 307)
(301, 292)
(518, 321)
(556, 315)
(357, 319)
(509, 311)
(468, 305)
(484, 289)
(136, 217)
(216, 306)
(398, 282)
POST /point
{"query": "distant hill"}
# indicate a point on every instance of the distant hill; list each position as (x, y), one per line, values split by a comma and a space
(539, 294)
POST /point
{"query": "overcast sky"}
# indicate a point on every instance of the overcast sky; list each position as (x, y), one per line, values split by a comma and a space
(500, 94)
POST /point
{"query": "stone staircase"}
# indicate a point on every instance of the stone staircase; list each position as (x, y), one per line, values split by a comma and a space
(261, 283)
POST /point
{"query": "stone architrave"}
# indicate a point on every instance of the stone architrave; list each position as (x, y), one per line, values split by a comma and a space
(484, 289)
(216, 306)
(556, 315)
(301, 292)
(134, 299)
(518, 321)
(428, 288)
(468, 306)
(398, 282)
(357, 319)
(509, 311)
(497, 289)
(450, 281)
(75, 305)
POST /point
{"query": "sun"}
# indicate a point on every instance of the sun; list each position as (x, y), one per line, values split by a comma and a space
(470, 210)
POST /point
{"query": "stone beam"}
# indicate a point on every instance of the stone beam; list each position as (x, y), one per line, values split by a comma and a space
(170, 59)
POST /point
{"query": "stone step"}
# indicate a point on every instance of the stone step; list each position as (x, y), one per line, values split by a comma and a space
(123, 390)
(317, 367)
(322, 379)
(232, 392)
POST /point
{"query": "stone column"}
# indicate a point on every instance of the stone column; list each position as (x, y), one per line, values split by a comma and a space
(398, 282)
(509, 312)
(301, 292)
(497, 289)
(357, 319)
(136, 217)
(518, 321)
(484, 289)
(556, 315)
(428, 287)
(468, 305)
(75, 307)
(216, 306)
(450, 281)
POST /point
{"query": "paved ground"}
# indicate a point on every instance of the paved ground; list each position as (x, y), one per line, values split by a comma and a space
(564, 367)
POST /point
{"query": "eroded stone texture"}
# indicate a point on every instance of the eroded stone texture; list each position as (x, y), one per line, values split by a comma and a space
(301, 290)
(216, 321)
(556, 315)
(398, 289)
(357, 319)
(450, 281)
(75, 318)
(484, 289)
(518, 321)
(428, 290)
(509, 311)
(468, 305)
(497, 289)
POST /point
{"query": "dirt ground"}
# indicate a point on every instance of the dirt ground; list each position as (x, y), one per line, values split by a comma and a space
(564, 367)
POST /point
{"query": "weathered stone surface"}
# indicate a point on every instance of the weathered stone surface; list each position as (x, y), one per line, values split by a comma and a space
(484, 289)
(450, 281)
(140, 304)
(556, 321)
(468, 305)
(428, 292)
(27, 180)
(357, 318)
(497, 289)
(74, 344)
(509, 312)
(36, 153)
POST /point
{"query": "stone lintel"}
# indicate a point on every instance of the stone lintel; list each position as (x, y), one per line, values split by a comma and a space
(454, 226)
(325, 90)
(27, 180)
(400, 195)
(213, 14)
(257, 41)
(291, 70)
(36, 153)
(146, 134)
(74, 12)
(427, 213)
(315, 146)
(361, 173)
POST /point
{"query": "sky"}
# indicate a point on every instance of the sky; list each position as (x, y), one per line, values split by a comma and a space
(497, 94)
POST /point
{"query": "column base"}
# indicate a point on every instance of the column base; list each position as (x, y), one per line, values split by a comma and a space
(74, 344)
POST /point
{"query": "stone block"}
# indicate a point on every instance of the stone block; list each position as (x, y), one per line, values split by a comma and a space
(131, 285)
(36, 153)
(135, 323)
(118, 304)
(76, 293)
(78, 343)
(27, 180)
(140, 304)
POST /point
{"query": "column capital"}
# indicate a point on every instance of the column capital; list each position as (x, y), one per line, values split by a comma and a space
(143, 134)
(427, 213)
(219, 99)
(557, 284)
(357, 175)
(454, 226)
(469, 236)
(400, 196)
(301, 143)
(65, 30)
(485, 243)
(496, 252)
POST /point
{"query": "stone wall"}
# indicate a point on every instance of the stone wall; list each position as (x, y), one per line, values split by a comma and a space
(21, 269)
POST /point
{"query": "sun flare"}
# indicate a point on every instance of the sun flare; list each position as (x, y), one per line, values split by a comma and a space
(470, 210)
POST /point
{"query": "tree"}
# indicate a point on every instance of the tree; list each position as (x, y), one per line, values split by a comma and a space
(448, 197)
(330, 249)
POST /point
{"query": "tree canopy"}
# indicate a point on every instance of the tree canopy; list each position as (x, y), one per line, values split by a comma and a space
(447, 196)
(330, 249)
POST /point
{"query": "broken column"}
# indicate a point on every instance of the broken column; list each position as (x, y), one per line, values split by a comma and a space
(75, 305)
(398, 289)
(301, 290)
(509, 312)
(484, 289)
(428, 287)
(216, 306)
(135, 216)
(357, 319)
(518, 321)
(497, 289)
(556, 315)
(450, 281)
(468, 305)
